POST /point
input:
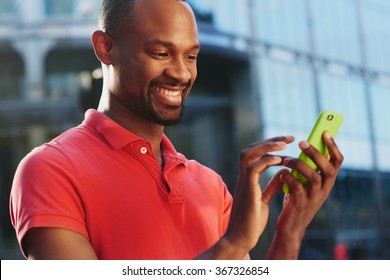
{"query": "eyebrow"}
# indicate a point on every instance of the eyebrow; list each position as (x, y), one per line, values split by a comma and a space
(169, 44)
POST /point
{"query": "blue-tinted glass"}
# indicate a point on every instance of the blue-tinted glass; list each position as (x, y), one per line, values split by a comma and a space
(376, 23)
(347, 96)
(75, 8)
(287, 95)
(230, 16)
(202, 10)
(335, 27)
(380, 98)
(58, 7)
(283, 22)
(8, 8)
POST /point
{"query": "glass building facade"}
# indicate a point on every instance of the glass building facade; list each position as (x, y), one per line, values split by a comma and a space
(267, 68)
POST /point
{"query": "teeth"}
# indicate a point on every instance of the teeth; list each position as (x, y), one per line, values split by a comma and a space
(168, 92)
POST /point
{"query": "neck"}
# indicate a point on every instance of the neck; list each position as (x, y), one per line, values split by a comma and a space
(147, 130)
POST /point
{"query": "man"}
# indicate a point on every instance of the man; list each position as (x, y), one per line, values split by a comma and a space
(115, 188)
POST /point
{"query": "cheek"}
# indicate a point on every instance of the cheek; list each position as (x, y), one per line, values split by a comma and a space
(193, 71)
(132, 75)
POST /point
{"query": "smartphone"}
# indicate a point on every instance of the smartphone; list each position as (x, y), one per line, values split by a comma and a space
(326, 121)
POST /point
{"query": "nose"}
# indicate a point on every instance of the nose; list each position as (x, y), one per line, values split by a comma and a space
(179, 70)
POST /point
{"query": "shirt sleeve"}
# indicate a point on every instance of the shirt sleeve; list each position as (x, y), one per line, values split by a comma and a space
(45, 193)
(228, 208)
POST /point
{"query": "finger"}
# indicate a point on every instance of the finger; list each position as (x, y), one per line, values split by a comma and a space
(312, 176)
(282, 157)
(274, 186)
(317, 158)
(259, 149)
(253, 154)
(336, 158)
(258, 167)
(328, 168)
(286, 139)
(293, 183)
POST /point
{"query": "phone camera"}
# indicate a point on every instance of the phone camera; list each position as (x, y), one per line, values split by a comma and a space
(330, 117)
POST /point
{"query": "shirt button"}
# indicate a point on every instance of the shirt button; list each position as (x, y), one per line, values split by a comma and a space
(144, 150)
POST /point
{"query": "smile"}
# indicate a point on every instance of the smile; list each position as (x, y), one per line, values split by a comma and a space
(165, 91)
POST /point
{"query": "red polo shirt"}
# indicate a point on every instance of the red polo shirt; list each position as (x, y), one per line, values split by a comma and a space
(104, 182)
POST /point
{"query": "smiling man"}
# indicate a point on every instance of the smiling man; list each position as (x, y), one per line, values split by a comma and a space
(115, 188)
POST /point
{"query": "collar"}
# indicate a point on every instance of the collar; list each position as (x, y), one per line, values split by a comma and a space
(118, 137)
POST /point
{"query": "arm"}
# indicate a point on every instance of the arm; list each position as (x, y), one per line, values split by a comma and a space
(57, 244)
(250, 204)
(46, 208)
(303, 203)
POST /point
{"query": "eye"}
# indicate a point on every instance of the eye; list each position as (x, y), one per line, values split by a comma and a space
(192, 57)
(159, 54)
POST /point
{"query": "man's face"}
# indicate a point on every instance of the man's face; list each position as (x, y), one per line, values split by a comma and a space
(155, 62)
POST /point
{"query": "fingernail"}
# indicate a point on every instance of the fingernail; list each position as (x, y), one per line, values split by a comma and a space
(282, 144)
(327, 134)
(278, 160)
(304, 144)
(286, 160)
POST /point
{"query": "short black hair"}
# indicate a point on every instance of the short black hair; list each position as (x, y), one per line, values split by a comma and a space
(116, 13)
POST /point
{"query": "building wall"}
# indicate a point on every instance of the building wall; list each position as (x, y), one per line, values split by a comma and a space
(267, 67)
(308, 56)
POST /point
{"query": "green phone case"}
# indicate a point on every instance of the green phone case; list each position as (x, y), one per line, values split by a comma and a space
(329, 121)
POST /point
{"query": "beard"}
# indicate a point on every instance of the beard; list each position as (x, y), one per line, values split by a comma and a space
(174, 116)
(168, 115)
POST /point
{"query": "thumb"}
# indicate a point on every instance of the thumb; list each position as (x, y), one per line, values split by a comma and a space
(274, 186)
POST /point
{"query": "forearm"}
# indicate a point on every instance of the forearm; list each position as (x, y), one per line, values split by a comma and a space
(284, 247)
(224, 249)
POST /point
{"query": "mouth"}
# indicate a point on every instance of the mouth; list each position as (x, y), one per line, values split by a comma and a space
(168, 96)
(168, 92)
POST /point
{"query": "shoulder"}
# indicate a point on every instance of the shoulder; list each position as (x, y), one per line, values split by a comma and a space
(52, 157)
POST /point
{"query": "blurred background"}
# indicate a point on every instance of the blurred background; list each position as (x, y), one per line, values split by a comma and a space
(267, 68)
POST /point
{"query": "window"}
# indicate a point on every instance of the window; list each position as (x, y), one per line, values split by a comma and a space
(228, 16)
(8, 8)
(347, 95)
(74, 8)
(376, 23)
(288, 103)
(11, 75)
(288, 98)
(335, 27)
(283, 22)
(380, 99)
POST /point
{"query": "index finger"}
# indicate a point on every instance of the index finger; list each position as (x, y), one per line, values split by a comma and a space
(286, 139)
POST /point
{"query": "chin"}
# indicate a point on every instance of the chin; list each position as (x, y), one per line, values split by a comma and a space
(171, 116)
(169, 120)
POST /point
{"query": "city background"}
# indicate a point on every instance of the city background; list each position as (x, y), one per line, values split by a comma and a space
(267, 68)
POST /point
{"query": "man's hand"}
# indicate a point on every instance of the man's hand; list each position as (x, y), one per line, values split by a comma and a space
(302, 204)
(250, 204)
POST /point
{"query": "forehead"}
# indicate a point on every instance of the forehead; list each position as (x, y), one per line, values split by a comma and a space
(168, 20)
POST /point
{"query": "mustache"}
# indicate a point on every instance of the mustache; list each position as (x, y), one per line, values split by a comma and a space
(172, 83)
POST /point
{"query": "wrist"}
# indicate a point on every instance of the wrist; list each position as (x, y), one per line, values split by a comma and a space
(225, 249)
(285, 246)
(232, 248)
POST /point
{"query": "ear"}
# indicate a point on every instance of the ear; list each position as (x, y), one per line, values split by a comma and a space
(102, 45)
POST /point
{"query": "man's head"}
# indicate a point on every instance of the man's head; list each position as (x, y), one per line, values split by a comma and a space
(148, 49)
